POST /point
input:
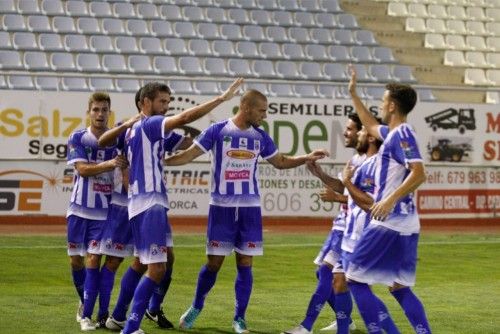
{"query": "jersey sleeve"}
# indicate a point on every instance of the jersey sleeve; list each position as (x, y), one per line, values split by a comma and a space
(172, 141)
(76, 150)
(206, 139)
(268, 149)
(406, 148)
(154, 128)
(383, 131)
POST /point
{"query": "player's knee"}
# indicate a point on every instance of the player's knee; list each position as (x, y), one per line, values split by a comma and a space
(76, 263)
(340, 283)
(156, 271)
(113, 262)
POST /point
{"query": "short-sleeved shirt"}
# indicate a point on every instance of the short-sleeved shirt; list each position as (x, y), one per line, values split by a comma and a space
(145, 148)
(235, 154)
(91, 195)
(398, 150)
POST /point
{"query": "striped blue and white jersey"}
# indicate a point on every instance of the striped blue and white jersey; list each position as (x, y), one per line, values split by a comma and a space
(398, 150)
(357, 219)
(91, 195)
(234, 157)
(339, 222)
(145, 152)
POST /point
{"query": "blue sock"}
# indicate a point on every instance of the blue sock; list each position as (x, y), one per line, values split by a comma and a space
(331, 301)
(243, 289)
(385, 319)
(141, 299)
(414, 309)
(160, 292)
(90, 291)
(107, 280)
(130, 280)
(365, 300)
(206, 280)
(79, 281)
(320, 296)
(343, 307)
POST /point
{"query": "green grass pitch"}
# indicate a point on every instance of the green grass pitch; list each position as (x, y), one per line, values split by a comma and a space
(458, 281)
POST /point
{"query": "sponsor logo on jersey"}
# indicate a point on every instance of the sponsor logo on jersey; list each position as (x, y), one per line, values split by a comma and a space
(240, 154)
(237, 175)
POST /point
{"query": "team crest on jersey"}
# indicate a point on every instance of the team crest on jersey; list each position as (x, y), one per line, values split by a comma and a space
(243, 142)
(256, 145)
(227, 140)
(406, 149)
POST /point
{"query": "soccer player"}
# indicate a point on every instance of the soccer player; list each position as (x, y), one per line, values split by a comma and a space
(87, 212)
(331, 250)
(148, 203)
(387, 250)
(117, 244)
(234, 219)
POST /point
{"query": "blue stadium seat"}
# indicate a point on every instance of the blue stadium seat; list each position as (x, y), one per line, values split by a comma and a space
(161, 29)
(282, 18)
(24, 41)
(224, 48)
(311, 71)
(111, 26)
(64, 25)
(208, 31)
(181, 87)
(5, 40)
(193, 14)
(114, 63)
(215, 67)
(147, 11)
(74, 84)
(52, 7)
(62, 62)
(287, 70)
(317, 52)
(264, 69)
(36, 61)
(50, 42)
(231, 32)
(10, 60)
(124, 10)
(216, 15)
(261, 17)
(306, 91)
(137, 27)
(140, 64)
(47, 83)
(150, 46)
(88, 62)
(254, 33)
(175, 46)
(247, 50)
(127, 85)
(20, 82)
(239, 67)
(293, 51)
(126, 44)
(165, 65)
(270, 50)
(281, 89)
(206, 87)
(76, 43)
(101, 84)
(76, 8)
(200, 47)
(100, 9)
(14, 22)
(190, 66)
(39, 23)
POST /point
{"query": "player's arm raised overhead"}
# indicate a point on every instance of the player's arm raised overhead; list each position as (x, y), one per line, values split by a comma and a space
(109, 137)
(331, 182)
(364, 114)
(282, 161)
(362, 199)
(192, 114)
(87, 169)
(381, 209)
(185, 156)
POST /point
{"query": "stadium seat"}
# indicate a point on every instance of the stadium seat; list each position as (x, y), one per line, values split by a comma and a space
(100, 9)
(475, 59)
(14, 22)
(335, 72)
(64, 25)
(281, 90)
(362, 73)
(475, 28)
(190, 66)
(415, 24)
(261, 17)
(246, 4)
(112, 26)
(5, 40)
(475, 77)
(437, 11)
(39, 23)
(150, 46)
(88, 62)
(417, 10)
(456, 42)
(185, 30)
(493, 28)
(194, 14)
(254, 33)
(36, 61)
(276, 34)
(456, 27)
(397, 9)
(493, 76)
(238, 16)
(127, 85)
(224, 48)
(311, 71)
(343, 37)
(270, 50)
(126, 44)
(239, 67)
(181, 87)
(206, 87)
(476, 43)
(436, 26)
(264, 68)
(140, 64)
(208, 31)
(299, 35)
(24, 41)
(74, 84)
(381, 72)
(62, 62)
(124, 10)
(46, 83)
(10, 60)
(247, 50)
(326, 20)
(260, 86)
(165, 65)
(101, 84)
(456, 13)
(304, 19)
(282, 18)
(161, 29)
(365, 38)
(293, 51)
(321, 35)
(339, 53)
(493, 43)
(347, 21)
(175, 46)
(8, 7)
(454, 58)
(374, 93)
(310, 6)
(426, 95)
(76, 43)
(290, 5)
(305, 91)
(331, 6)
(114, 64)
(147, 11)
(199, 47)
(231, 32)
(50, 42)
(267, 4)
(475, 14)
(137, 28)
(402, 73)
(493, 59)
(20, 82)
(216, 15)
(171, 13)
(326, 91)
(76, 8)
(52, 7)
(101, 44)
(316, 52)
(361, 54)
(215, 67)
(383, 54)
(492, 14)
(287, 70)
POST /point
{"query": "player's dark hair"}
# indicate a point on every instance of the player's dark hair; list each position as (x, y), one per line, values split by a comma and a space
(138, 99)
(403, 95)
(356, 120)
(151, 90)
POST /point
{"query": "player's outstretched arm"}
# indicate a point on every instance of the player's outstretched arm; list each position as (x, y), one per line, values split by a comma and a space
(381, 209)
(86, 169)
(192, 114)
(364, 114)
(109, 137)
(331, 182)
(185, 156)
(281, 161)
(362, 199)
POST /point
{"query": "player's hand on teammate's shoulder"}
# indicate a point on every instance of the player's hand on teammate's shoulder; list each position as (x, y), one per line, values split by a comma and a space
(232, 90)
(128, 123)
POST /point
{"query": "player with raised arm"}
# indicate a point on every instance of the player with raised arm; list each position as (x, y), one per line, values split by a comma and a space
(387, 250)
(234, 219)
